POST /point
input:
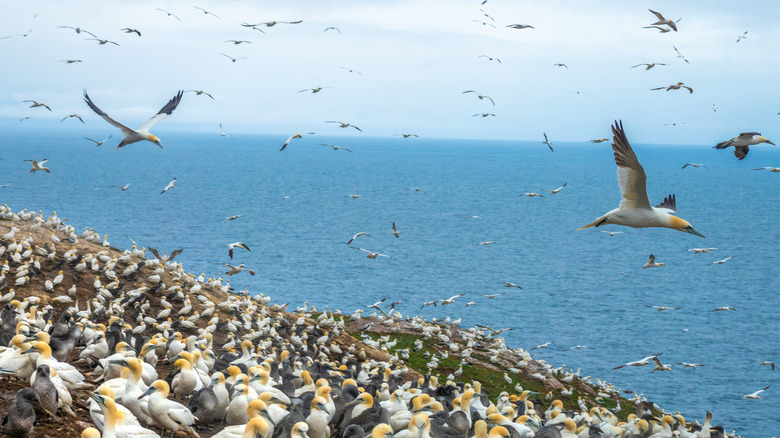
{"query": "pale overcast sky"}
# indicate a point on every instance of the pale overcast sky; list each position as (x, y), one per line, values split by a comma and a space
(416, 59)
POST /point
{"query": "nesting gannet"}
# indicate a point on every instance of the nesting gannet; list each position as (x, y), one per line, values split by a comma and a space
(98, 143)
(142, 133)
(78, 30)
(695, 165)
(680, 55)
(205, 12)
(720, 262)
(489, 58)
(648, 66)
(371, 254)
(755, 395)
(676, 86)
(74, 115)
(38, 165)
(547, 142)
(232, 58)
(599, 140)
(291, 138)
(233, 245)
(335, 148)
(556, 190)
(639, 363)
(169, 414)
(635, 209)
(36, 104)
(169, 186)
(358, 235)
(651, 263)
(771, 169)
(236, 269)
(662, 308)
(663, 21)
(766, 362)
(742, 37)
(344, 125)
(520, 26)
(723, 309)
(481, 97)
(743, 142)
(484, 23)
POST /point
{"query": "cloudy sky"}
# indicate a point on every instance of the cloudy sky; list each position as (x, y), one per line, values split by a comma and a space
(415, 59)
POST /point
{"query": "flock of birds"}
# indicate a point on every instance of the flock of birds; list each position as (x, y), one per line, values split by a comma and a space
(155, 349)
(285, 385)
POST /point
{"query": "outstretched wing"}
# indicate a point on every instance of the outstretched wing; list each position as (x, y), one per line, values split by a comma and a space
(658, 14)
(669, 204)
(106, 117)
(163, 113)
(631, 176)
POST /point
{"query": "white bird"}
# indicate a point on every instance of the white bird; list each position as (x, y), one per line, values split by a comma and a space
(236, 269)
(742, 37)
(639, 363)
(98, 143)
(451, 299)
(651, 263)
(38, 165)
(335, 148)
(771, 169)
(700, 250)
(371, 254)
(556, 190)
(291, 138)
(723, 309)
(222, 131)
(236, 245)
(547, 142)
(663, 21)
(696, 165)
(742, 143)
(142, 133)
(611, 233)
(755, 395)
(659, 366)
(680, 55)
(720, 262)
(169, 186)
(123, 188)
(635, 209)
(357, 235)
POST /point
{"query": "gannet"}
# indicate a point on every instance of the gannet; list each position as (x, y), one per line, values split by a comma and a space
(651, 263)
(102, 42)
(232, 58)
(199, 92)
(520, 26)
(663, 21)
(484, 23)
(335, 148)
(36, 104)
(489, 58)
(635, 209)
(659, 366)
(169, 414)
(236, 269)
(742, 143)
(639, 363)
(407, 135)
(660, 29)
(291, 138)
(742, 37)
(38, 165)
(723, 309)
(680, 55)
(313, 90)
(755, 395)
(695, 165)
(690, 365)
(74, 115)
(344, 125)
(205, 12)
(556, 190)
(720, 262)
(395, 232)
(547, 142)
(508, 284)
(766, 362)
(232, 218)
(533, 194)
(676, 86)
(129, 30)
(662, 308)
(122, 188)
(483, 115)
(233, 245)
(71, 61)
(332, 28)
(358, 235)
(599, 140)
(371, 254)
(481, 97)
(78, 30)
(98, 143)
(648, 65)
(142, 133)
(561, 65)
(169, 186)
(237, 42)
(771, 169)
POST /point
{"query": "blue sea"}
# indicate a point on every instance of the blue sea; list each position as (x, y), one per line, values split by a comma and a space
(579, 287)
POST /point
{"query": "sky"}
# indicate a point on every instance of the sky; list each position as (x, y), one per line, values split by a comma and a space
(414, 58)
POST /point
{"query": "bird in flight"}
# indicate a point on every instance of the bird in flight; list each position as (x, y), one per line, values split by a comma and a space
(481, 97)
(695, 165)
(102, 42)
(483, 115)
(122, 188)
(407, 135)
(765, 362)
(332, 28)
(676, 86)
(700, 250)
(71, 61)
(531, 195)
(78, 30)
(648, 66)
(222, 132)
(370, 254)
(351, 70)
(742, 143)
(680, 55)
(723, 309)
(484, 23)
(599, 140)
(742, 37)
(236, 269)
(344, 125)
(663, 21)
(520, 26)
(232, 58)
(611, 233)
(98, 143)
(205, 12)
(313, 90)
(395, 232)
(635, 209)
(490, 58)
(335, 148)
(38, 165)
(508, 284)
(142, 133)
(169, 14)
(714, 108)
(199, 92)
(237, 42)
(232, 218)
(357, 235)
(690, 365)
(561, 65)
(660, 367)
(36, 104)
(651, 263)
(233, 245)
(556, 190)
(291, 138)
(771, 169)
(547, 142)
(660, 29)
(720, 262)
(755, 396)
(169, 186)
(74, 115)
(638, 363)
(129, 30)
(662, 308)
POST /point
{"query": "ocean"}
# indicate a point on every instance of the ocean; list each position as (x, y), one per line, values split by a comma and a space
(579, 287)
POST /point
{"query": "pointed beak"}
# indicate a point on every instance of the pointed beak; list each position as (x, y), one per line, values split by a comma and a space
(690, 229)
(148, 391)
(267, 416)
(30, 350)
(120, 362)
(771, 143)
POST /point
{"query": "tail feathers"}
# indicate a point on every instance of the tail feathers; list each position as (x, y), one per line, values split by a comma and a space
(596, 223)
(723, 145)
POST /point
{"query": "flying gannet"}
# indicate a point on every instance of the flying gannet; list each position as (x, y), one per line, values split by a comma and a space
(755, 395)
(742, 143)
(635, 210)
(142, 133)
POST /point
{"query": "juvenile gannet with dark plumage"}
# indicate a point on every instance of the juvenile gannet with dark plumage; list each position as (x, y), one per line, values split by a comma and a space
(142, 133)
(742, 143)
(635, 209)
